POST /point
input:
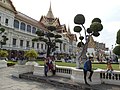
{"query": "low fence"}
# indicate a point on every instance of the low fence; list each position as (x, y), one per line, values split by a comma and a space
(76, 75)
(110, 79)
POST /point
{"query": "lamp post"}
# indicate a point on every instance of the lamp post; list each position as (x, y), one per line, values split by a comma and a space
(93, 30)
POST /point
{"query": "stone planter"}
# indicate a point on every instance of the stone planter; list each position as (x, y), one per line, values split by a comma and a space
(32, 63)
(119, 62)
(21, 62)
(20, 69)
(3, 63)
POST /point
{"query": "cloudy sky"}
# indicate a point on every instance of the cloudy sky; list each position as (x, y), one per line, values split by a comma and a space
(107, 10)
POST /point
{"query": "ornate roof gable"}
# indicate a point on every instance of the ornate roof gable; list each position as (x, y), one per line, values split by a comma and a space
(91, 43)
(8, 5)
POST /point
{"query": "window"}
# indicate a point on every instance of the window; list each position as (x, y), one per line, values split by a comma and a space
(0, 18)
(14, 41)
(22, 26)
(60, 46)
(37, 45)
(6, 22)
(21, 43)
(16, 24)
(41, 46)
(45, 46)
(28, 28)
(34, 30)
(27, 44)
(64, 46)
(33, 44)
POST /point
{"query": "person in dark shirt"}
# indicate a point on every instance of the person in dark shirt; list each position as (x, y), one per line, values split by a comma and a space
(46, 66)
(88, 67)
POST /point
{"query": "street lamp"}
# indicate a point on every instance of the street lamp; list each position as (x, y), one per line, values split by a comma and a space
(93, 30)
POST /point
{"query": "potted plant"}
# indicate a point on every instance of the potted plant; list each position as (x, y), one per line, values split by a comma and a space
(31, 55)
(3, 55)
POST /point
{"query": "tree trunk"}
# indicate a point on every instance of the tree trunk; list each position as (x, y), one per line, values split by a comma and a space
(81, 57)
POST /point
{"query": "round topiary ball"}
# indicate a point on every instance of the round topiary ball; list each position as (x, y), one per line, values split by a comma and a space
(77, 29)
(81, 37)
(96, 26)
(79, 19)
(96, 20)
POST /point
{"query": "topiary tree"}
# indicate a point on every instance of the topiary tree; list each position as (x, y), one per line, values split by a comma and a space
(50, 38)
(3, 37)
(116, 50)
(93, 30)
(31, 54)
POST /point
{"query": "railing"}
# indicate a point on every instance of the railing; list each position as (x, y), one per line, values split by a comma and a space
(109, 78)
(66, 70)
(76, 75)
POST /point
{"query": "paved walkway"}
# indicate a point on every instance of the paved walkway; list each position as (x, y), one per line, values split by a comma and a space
(7, 82)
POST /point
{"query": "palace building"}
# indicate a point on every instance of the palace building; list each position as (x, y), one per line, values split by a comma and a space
(21, 29)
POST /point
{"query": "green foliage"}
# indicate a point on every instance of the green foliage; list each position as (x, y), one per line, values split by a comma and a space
(80, 44)
(79, 19)
(58, 36)
(44, 40)
(58, 40)
(3, 53)
(31, 54)
(89, 30)
(77, 29)
(3, 36)
(96, 26)
(81, 37)
(116, 50)
(40, 33)
(118, 37)
(96, 34)
(96, 20)
(51, 28)
(50, 34)
(50, 39)
(35, 39)
(2, 30)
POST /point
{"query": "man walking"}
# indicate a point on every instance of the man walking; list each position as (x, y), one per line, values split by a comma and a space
(88, 67)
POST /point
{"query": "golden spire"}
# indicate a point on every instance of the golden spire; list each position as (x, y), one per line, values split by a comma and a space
(50, 14)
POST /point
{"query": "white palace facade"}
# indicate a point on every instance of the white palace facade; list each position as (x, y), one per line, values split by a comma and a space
(21, 29)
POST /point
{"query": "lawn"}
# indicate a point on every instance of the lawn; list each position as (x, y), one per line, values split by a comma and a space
(101, 66)
(95, 66)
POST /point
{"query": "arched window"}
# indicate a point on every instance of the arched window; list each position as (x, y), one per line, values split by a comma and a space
(28, 28)
(16, 24)
(34, 30)
(22, 26)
